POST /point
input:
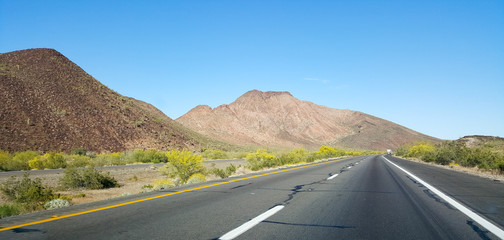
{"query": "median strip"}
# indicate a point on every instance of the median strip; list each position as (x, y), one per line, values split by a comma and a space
(250, 224)
(160, 196)
(468, 212)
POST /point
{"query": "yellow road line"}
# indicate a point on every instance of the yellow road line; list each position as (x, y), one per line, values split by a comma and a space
(159, 196)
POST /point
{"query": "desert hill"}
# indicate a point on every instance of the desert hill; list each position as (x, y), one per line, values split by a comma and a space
(49, 103)
(278, 119)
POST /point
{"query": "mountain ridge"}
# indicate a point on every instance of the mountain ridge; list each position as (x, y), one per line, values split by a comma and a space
(281, 120)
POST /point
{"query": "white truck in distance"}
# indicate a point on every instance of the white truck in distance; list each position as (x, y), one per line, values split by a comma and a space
(389, 151)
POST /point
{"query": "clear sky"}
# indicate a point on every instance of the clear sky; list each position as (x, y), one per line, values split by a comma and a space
(436, 67)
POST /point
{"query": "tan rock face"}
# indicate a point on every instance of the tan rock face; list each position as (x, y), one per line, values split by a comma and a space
(278, 119)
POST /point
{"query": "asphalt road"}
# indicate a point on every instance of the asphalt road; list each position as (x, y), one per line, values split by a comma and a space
(369, 198)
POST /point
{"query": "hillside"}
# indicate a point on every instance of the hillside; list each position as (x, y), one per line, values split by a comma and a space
(49, 103)
(280, 120)
(491, 142)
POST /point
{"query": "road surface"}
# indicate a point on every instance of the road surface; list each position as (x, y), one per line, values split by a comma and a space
(366, 197)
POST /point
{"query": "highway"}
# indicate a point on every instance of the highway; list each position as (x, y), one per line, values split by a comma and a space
(367, 197)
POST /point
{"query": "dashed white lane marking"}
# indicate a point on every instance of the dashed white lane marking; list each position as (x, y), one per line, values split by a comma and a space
(474, 216)
(333, 176)
(349, 167)
(250, 224)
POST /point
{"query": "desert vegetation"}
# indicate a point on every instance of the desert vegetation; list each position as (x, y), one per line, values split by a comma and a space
(179, 167)
(263, 159)
(487, 155)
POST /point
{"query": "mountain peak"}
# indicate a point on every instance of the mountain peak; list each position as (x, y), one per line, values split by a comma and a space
(268, 94)
(51, 104)
(277, 119)
(33, 52)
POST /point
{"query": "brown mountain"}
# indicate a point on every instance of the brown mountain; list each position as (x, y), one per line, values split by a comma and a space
(49, 103)
(278, 119)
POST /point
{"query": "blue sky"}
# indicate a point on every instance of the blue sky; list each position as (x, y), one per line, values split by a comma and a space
(436, 67)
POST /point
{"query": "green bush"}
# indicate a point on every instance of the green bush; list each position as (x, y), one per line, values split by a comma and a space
(260, 159)
(89, 178)
(329, 152)
(111, 159)
(150, 155)
(196, 178)
(77, 161)
(5, 158)
(224, 173)
(31, 194)
(182, 165)
(79, 151)
(19, 161)
(214, 154)
(48, 161)
(500, 166)
(484, 156)
(420, 149)
(296, 156)
(7, 210)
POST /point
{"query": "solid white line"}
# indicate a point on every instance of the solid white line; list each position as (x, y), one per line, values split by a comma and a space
(474, 216)
(250, 224)
(333, 176)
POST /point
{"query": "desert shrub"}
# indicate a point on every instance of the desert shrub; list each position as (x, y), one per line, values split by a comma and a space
(79, 151)
(329, 152)
(214, 154)
(162, 184)
(450, 151)
(238, 155)
(77, 161)
(182, 165)
(150, 155)
(20, 161)
(56, 203)
(420, 149)
(402, 150)
(224, 173)
(31, 194)
(7, 210)
(196, 178)
(500, 166)
(296, 156)
(481, 157)
(110, 159)
(260, 159)
(87, 178)
(48, 161)
(5, 158)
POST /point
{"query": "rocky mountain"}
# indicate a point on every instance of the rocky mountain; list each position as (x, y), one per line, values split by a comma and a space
(49, 103)
(280, 120)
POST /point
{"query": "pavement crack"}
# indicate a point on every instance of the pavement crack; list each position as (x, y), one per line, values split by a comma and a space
(299, 188)
(415, 181)
(481, 233)
(437, 199)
